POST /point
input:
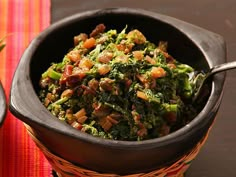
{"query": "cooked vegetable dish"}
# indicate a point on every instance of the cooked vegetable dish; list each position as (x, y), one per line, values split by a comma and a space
(119, 85)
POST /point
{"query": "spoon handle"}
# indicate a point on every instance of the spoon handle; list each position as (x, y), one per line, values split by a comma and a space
(222, 67)
(213, 70)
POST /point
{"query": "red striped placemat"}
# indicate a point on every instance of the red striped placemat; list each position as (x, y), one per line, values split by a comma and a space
(20, 21)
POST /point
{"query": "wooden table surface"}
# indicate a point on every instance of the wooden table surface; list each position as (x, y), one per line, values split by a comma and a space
(218, 156)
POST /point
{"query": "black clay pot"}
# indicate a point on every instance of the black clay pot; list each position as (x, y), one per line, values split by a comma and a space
(3, 105)
(187, 43)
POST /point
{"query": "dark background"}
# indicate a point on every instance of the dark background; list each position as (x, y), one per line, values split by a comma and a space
(217, 158)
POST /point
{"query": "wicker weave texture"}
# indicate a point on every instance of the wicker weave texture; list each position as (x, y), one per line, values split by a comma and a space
(64, 168)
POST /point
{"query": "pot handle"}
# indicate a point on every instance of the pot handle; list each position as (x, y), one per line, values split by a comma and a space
(24, 103)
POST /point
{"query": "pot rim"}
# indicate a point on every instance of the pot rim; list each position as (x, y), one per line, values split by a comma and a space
(18, 109)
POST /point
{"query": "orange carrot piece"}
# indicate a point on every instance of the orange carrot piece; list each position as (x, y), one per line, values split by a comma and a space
(157, 72)
(104, 69)
(150, 60)
(142, 95)
(80, 113)
(138, 55)
(82, 119)
(86, 63)
(89, 43)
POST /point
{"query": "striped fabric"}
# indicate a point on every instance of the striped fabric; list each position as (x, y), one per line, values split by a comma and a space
(20, 21)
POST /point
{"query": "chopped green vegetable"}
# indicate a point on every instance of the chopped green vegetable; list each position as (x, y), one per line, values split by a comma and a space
(53, 74)
(128, 88)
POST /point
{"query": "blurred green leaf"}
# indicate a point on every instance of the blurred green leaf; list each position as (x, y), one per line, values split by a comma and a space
(2, 47)
(2, 44)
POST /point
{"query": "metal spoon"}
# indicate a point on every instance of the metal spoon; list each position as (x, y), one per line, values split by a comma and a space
(199, 78)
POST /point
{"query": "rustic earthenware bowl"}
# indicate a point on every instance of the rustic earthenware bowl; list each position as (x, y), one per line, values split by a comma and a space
(3, 105)
(188, 43)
